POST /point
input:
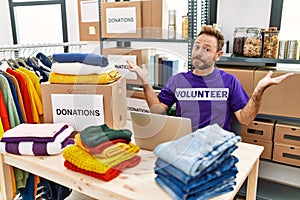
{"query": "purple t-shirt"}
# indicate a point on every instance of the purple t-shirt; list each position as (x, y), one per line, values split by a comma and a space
(205, 99)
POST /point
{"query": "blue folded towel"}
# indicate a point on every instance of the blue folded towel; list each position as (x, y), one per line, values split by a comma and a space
(86, 58)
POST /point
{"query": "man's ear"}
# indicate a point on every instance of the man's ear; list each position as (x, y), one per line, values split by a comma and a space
(219, 55)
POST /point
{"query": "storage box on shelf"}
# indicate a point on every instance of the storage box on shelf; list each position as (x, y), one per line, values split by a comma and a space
(88, 25)
(118, 57)
(280, 100)
(287, 144)
(245, 76)
(288, 154)
(260, 133)
(132, 19)
(114, 102)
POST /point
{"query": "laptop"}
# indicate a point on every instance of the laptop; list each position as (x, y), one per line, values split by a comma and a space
(150, 129)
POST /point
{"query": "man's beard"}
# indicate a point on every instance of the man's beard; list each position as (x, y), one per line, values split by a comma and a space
(202, 63)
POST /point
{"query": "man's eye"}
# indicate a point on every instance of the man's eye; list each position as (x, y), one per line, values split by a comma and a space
(206, 49)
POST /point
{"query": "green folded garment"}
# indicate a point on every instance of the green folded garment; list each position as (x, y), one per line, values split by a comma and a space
(95, 135)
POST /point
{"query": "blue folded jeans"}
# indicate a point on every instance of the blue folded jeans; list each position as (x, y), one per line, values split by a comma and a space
(226, 161)
(198, 150)
(199, 185)
(227, 170)
(176, 194)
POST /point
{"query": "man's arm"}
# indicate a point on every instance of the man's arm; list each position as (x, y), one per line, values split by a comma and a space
(249, 112)
(151, 97)
(152, 100)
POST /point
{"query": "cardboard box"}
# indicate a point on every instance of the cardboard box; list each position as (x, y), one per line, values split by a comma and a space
(88, 28)
(137, 105)
(282, 99)
(288, 154)
(121, 19)
(245, 76)
(258, 130)
(154, 19)
(115, 55)
(114, 103)
(287, 134)
(268, 145)
(152, 22)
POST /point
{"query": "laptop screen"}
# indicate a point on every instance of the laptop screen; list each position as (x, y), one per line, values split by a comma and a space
(150, 129)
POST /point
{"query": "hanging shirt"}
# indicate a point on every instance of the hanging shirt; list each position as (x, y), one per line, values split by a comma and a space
(35, 101)
(24, 92)
(9, 102)
(3, 113)
(34, 79)
(19, 95)
(15, 97)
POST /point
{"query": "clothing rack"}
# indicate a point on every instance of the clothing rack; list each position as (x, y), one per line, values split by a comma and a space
(17, 47)
(18, 50)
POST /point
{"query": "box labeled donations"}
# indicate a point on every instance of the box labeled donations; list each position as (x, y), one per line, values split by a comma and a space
(83, 105)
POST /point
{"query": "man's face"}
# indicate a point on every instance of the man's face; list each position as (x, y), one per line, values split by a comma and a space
(205, 52)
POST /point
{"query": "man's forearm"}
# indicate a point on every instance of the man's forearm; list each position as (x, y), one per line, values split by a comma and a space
(152, 100)
(249, 112)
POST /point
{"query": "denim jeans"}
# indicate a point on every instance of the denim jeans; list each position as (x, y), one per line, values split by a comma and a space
(176, 193)
(201, 184)
(198, 150)
(225, 162)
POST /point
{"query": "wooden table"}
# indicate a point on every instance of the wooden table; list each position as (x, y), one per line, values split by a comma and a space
(134, 183)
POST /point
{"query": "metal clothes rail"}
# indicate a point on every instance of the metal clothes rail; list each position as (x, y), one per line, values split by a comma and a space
(17, 47)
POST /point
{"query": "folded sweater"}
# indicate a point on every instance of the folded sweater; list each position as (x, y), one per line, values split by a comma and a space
(87, 58)
(84, 160)
(95, 135)
(111, 173)
(100, 79)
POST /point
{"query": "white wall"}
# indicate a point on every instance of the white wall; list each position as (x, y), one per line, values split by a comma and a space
(235, 13)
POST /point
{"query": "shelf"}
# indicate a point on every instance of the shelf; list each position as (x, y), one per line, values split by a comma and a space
(267, 190)
(234, 60)
(145, 40)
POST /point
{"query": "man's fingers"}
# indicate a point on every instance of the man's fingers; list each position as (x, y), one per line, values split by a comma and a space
(283, 77)
(131, 65)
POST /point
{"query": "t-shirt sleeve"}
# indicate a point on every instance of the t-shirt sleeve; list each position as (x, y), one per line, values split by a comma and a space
(167, 96)
(239, 97)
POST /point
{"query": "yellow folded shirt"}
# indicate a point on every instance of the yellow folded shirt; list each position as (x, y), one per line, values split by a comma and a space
(113, 150)
(84, 160)
(104, 78)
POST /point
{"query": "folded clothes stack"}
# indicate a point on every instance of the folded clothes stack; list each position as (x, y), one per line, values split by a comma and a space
(102, 152)
(37, 139)
(199, 165)
(82, 68)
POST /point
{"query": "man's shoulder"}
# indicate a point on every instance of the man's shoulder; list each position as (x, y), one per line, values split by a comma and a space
(226, 74)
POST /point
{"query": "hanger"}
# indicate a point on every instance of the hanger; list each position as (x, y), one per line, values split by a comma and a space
(15, 63)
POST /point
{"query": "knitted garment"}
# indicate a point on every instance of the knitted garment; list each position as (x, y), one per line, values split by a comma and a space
(84, 160)
(113, 150)
(87, 58)
(100, 147)
(100, 79)
(111, 173)
(95, 135)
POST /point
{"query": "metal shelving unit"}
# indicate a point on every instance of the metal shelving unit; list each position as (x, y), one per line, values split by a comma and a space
(192, 20)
